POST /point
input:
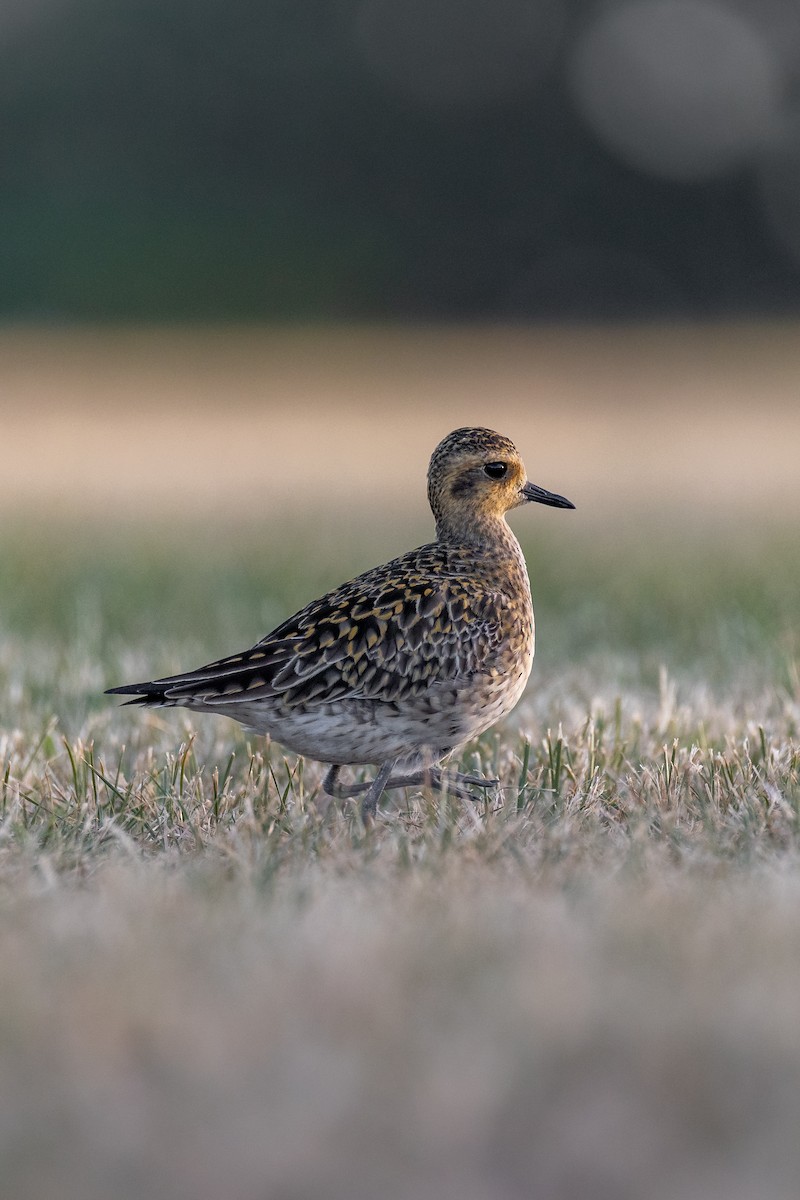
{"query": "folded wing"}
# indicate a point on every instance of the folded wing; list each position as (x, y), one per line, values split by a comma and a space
(372, 638)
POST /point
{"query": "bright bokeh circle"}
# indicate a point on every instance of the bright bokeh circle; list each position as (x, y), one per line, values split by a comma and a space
(681, 89)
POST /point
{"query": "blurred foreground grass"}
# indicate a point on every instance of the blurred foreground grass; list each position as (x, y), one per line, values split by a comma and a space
(214, 986)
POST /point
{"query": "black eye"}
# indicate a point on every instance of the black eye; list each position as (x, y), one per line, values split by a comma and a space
(495, 470)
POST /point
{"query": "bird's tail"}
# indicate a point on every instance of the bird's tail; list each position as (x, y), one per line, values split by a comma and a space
(151, 695)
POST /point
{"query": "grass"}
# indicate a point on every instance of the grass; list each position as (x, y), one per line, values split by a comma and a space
(216, 985)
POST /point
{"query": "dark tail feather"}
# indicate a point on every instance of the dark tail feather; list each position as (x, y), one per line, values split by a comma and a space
(143, 693)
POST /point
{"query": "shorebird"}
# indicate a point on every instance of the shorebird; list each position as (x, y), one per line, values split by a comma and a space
(402, 665)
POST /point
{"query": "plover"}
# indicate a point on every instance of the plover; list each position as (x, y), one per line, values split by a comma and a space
(402, 665)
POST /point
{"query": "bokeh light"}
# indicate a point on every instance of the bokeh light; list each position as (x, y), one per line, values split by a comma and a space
(682, 89)
(459, 51)
(374, 160)
(16, 16)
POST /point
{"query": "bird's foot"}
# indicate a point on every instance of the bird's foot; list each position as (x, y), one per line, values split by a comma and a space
(438, 780)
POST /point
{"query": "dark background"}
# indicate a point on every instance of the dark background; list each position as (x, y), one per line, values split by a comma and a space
(382, 159)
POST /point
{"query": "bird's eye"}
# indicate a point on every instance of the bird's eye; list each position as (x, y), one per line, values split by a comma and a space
(496, 470)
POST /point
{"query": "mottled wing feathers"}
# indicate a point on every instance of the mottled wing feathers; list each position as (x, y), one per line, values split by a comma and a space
(390, 633)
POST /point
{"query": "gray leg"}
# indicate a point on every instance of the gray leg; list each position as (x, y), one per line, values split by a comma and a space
(329, 782)
(338, 790)
(432, 777)
(370, 802)
(439, 781)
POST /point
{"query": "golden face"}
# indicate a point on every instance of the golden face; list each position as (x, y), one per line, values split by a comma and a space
(480, 472)
(489, 482)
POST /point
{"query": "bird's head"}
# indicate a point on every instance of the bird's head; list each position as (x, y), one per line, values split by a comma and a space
(475, 476)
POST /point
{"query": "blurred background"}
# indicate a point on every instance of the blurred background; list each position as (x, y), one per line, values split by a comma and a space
(260, 236)
(362, 159)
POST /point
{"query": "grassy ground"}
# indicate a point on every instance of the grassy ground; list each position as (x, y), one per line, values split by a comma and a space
(214, 986)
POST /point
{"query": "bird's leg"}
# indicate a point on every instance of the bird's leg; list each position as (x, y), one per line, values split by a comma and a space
(341, 792)
(439, 781)
(373, 790)
(376, 789)
(432, 777)
(338, 790)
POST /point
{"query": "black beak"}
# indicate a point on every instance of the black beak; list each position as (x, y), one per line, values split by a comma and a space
(532, 492)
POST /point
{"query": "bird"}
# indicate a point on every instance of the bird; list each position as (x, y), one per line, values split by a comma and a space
(407, 662)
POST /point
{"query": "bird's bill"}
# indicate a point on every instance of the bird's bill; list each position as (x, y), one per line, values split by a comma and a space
(532, 491)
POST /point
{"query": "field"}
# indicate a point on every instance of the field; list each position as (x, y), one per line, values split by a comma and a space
(217, 986)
